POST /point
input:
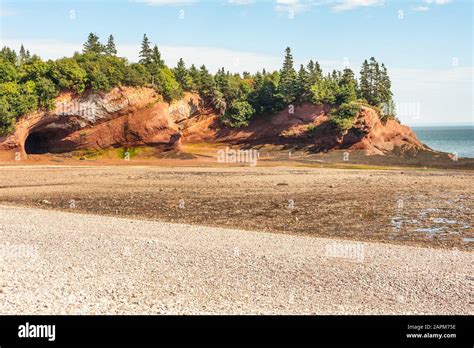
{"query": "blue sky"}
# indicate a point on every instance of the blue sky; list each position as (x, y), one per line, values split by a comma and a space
(426, 44)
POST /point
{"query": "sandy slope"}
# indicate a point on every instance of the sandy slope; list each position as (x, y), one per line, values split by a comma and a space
(75, 263)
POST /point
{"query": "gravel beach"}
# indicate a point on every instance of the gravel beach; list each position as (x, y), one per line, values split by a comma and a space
(54, 262)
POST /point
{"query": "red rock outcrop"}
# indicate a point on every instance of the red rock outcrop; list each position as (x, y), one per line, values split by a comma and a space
(124, 117)
(129, 117)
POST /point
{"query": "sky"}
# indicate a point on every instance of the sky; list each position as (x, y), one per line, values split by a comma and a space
(427, 45)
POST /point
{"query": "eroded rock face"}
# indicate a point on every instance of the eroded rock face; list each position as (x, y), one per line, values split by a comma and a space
(124, 117)
(308, 125)
(129, 117)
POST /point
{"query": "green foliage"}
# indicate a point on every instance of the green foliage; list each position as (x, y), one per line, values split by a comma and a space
(102, 72)
(93, 45)
(205, 82)
(67, 74)
(33, 69)
(8, 54)
(264, 97)
(15, 100)
(8, 71)
(146, 51)
(136, 75)
(127, 153)
(167, 85)
(345, 115)
(325, 92)
(238, 114)
(110, 47)
(288, 86)
(46, 90)
(27, 82)
(182, 76)
(219, 102)
(311, 128)
(375, 85)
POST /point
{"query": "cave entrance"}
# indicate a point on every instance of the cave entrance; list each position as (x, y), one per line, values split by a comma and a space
(43, 141)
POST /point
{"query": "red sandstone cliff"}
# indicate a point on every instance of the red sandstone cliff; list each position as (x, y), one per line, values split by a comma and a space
(127, 117)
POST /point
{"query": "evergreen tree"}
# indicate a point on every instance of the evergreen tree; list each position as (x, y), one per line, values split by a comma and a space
(146, 51)
(364, 84)
(347, 77)
(335, 75)
(156, 58)
(375, 85)
(110, 47)
(347, 87)
(221, 79)
(8, 54)
(93, 45)
(288, 79)
(206, 82)
(182, 76)
(374, 80)
(303, 87)
(385, 85)
(315, 74)
(22, 57)
(194, 75)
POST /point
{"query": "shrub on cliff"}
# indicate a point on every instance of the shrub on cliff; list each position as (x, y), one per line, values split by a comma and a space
(68, 74)
(237, 97)
(344, 116)
(8, 71)
(166, 84)
(238, 114)
(15, 100)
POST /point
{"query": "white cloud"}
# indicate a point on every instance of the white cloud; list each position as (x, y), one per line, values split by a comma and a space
(294, 6)
(443, 95)
(438, 2)
(345, 5)
(6, 12)
(166, 2)
(420, 8)
(241, 2)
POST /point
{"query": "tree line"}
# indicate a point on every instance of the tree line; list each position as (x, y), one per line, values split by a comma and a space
(28, 83)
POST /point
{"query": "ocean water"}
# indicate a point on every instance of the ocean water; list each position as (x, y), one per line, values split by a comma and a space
(459, 139)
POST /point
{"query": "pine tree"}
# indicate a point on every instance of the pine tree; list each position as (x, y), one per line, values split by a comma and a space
(315, 74)
(110, 47)
(384, 85)
(194, 74)
(156, 57)
(347, 87)
(317, 69)
(388, 108)
(93, 45)
(364, 84)
(206, 82)
(146, 51)
(347, 77)
(22, 55)
(288, 79)
(222, 80)
(304, 88)
(182, 76)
